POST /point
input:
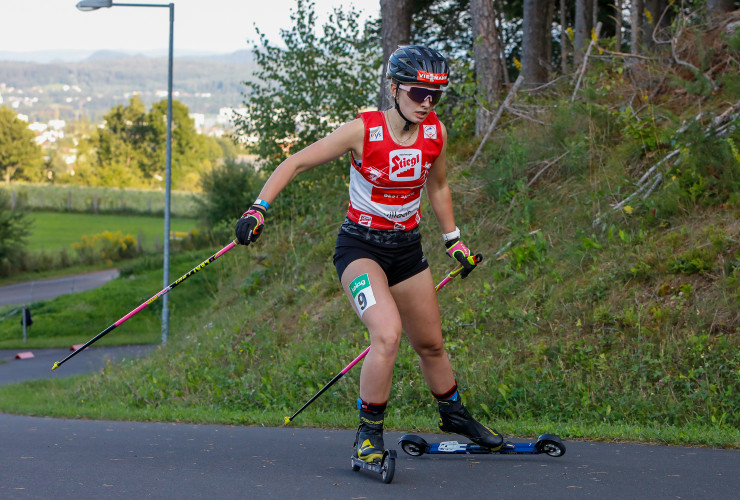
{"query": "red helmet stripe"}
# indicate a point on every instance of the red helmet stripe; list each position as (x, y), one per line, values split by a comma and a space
(424, 76)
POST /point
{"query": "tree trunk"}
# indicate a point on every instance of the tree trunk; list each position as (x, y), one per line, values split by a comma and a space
(534, 36)
(395, 30)
(548, 38)
(501, 43)
(636, 21)
(583, 25)
(487, 54)
(563, 38)
(618, 25)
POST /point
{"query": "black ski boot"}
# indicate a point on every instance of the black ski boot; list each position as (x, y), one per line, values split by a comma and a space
(369, 446)
(456, 419)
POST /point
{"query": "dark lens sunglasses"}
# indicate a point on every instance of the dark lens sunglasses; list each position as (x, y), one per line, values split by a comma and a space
(421, 94)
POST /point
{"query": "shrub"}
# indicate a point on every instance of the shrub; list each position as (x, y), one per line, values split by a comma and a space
(229, 190)
(13, 230)
(106, 247)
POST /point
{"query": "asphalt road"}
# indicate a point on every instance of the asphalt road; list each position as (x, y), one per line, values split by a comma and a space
(32, 291)
(53, 458)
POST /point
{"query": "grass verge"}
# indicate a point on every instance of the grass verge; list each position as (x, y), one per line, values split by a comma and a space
(53, 231)
(63, 399)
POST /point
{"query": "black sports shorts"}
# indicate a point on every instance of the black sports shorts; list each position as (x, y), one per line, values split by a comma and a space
(398, 253)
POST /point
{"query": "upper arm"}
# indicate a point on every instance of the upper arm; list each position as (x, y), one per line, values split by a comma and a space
(348, 137)
(437, 178)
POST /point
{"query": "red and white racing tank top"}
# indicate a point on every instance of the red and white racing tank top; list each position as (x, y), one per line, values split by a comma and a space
(385, 189)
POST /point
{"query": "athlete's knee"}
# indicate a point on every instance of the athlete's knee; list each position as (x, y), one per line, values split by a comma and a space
(386, 341)
(430, 349)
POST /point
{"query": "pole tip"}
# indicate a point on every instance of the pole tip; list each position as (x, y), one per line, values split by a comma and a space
(56, 365)
(286, 420)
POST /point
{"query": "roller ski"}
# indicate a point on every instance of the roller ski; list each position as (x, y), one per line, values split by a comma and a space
(386, 467)
(369, 452)
(416, 446)
(455, 418)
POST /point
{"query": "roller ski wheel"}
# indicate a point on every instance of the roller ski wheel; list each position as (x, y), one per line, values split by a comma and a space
(548, 444)
(414, 445)
(551, 445)
(386, 468)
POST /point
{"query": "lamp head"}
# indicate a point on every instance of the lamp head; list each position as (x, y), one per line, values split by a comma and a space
(88, 5)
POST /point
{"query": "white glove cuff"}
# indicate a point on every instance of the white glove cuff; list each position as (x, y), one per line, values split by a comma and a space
(451, 236)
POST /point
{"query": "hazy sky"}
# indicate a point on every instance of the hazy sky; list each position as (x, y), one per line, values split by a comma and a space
(203, 25)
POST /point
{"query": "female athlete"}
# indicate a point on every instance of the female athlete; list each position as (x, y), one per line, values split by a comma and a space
(394, 155)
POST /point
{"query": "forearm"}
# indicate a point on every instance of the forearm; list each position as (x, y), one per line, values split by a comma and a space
(277, 181)
(440, 199)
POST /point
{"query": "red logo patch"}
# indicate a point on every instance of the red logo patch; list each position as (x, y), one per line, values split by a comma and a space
(394, 196)
(424, 76)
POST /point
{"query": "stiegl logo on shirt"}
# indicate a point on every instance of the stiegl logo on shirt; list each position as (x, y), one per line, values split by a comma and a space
(404, 165)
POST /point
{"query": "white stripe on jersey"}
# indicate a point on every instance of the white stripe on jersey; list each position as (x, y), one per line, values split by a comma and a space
(361, 194)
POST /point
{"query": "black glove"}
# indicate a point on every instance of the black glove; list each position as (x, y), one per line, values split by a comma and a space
(457, 250)
(250, 226)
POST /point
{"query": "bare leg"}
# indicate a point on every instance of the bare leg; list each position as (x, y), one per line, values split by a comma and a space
(416, 300)
(384, 326)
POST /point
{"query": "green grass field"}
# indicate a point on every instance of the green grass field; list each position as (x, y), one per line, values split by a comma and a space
(52, 231)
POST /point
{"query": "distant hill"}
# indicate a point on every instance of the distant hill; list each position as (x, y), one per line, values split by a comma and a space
(90, 87)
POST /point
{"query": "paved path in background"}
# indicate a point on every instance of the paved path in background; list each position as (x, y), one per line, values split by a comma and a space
(39, 367)
(32, 291)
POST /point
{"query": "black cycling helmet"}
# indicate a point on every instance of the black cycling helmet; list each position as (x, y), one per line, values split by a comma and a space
(417, 64)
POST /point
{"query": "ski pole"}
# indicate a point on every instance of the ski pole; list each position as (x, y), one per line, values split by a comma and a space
(165, 290)
(286, 420)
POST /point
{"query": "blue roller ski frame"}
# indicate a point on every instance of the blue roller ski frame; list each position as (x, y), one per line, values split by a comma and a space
(415, 445)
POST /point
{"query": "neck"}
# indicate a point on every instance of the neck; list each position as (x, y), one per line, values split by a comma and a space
(398, 123)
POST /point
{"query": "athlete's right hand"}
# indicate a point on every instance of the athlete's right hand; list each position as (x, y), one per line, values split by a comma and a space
(457, 250)
(251, 224)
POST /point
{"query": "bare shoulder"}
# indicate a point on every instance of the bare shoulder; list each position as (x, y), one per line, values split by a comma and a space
(352, 134)
(355, 127)
(444, 131)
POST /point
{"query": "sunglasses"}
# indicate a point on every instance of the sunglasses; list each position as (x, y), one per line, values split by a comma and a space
(421, 94)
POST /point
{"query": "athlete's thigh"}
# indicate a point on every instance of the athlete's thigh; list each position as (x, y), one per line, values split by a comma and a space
(366, 286)
(416, 300)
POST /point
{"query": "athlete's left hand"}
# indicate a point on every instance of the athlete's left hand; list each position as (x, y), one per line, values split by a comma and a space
(250, 225)
(457, 250)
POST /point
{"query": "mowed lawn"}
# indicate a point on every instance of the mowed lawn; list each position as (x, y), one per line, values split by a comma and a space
(52, 231)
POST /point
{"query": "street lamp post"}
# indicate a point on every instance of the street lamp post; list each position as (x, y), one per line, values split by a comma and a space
(88, 5)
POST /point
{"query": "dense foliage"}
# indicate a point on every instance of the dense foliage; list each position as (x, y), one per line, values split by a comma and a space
(129, 151)
(20, 156)
(13, 233)
(228, 190)
(304, 90)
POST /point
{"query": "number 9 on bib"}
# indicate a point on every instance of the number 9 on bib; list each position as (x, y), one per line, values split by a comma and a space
(362, 293)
